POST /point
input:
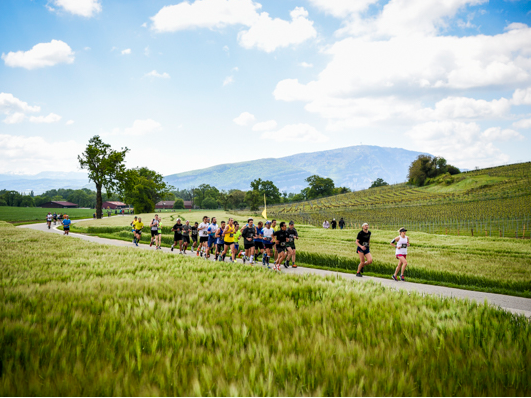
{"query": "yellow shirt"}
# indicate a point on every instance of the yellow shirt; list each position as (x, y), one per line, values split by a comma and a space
(138, 225)
(276, 228)
(229, 236)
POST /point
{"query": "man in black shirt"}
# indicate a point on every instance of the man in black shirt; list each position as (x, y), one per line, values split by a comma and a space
(177, 235)
(193, 230)
(248, 234)
(363, 241)
(281, 237)
(334, 223)
(341, 223)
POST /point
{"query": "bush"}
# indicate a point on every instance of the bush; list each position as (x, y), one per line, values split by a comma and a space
(209, 203)
(179, 203)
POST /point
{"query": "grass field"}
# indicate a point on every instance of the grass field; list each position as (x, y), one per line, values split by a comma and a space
(22, 214)
(492, 264)
(86, 319)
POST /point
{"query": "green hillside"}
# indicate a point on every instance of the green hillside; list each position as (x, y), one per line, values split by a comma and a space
(494, 202)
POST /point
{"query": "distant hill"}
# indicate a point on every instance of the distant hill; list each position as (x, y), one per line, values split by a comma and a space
(354, 167)
(44, 181)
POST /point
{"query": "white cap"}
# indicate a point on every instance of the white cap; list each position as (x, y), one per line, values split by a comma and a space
(364, 224)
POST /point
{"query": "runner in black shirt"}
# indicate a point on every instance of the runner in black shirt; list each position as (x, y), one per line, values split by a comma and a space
(334, 223)
(341, 223)
(290, 245)
(178, 236)
(193, 230)
(281, 237)
(363, 241)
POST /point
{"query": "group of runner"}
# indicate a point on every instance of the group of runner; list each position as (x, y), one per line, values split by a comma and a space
(265, 239)
(65, 221)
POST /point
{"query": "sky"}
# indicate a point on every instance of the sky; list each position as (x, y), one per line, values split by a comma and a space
(192, 84)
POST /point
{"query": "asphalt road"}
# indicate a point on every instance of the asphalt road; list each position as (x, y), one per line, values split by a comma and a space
(517, 305)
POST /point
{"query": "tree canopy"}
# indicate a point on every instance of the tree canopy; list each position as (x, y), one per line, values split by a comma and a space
(379, 182)
(143, 188)
(425, 167)
(319, 186)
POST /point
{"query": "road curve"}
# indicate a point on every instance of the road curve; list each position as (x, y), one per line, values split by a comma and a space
(516, 305)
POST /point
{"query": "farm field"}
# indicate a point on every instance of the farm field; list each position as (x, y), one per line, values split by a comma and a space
(87, 319)
(487, 202)
(21, 214)
(501, 265)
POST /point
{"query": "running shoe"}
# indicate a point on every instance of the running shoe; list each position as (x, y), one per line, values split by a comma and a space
(395, 278)
(402, 278)
(359, 275)
(294, 266)
(171, 248)
(136, 243)
(286, 263)
(197, 253)
(150, 243)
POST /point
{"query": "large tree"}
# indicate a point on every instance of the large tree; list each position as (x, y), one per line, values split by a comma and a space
(320, 186)
(143, 188)
(426, 166)
(267, 188)
(105, 166)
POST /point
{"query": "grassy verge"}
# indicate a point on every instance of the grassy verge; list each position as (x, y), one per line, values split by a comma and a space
(88, 319)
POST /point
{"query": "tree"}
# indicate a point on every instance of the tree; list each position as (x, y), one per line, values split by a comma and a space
(179, 203)
(209, 203)
(143, 188)
(267, 188)
(253, 199)
(2, 202)
(40, 200)
(319, 186)
(105, 166)
(379, 182)
(426, 166)
(236, 198)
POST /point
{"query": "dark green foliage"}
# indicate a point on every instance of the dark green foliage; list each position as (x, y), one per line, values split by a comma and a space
(179, 203)
(209, 203)
(425, 167)
(319, 187)
(379, 182)
(143, 188)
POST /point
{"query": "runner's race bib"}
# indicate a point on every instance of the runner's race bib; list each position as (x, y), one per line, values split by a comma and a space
(366, 244)
(282, 243)
(404, 245)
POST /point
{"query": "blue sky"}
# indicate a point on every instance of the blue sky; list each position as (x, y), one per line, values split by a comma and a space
(187, 85)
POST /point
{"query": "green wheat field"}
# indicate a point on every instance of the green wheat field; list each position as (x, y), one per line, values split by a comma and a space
(85, 319)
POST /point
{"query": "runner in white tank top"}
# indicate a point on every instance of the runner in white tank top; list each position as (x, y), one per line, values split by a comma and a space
(402, 243)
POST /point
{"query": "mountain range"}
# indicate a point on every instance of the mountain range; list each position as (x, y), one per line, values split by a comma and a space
(354, 167)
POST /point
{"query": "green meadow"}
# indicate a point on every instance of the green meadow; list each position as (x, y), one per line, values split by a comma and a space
(86, 319)
(22, 215)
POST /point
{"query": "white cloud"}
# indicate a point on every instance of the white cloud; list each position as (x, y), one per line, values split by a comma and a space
(407, 17)
(342, 8)
(84, 8)
(468, 108)
(268, 34)
(265, 126)
(41, 55)
(154, 73)
(70, 122)
(244, 119)
(264, 32)
(522, 124)
(147, 51)
(51, 118)
(228, 80)
(127, 51)
(205, 14)
(26, 154)
(235, 69)
(522, 96)
(144, 25)
(300, 132)
(226, 49)
(17, 117)
(461, 143)
(306, 65)
(143, 127)
(9, 104)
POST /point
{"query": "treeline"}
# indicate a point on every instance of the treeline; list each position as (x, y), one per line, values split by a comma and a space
(426, 169)
(82, 197)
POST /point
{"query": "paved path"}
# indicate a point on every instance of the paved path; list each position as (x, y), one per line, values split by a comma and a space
(517, 305)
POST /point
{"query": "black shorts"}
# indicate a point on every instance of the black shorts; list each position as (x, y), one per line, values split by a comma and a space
(194, 238)
(268, 245)
(291, 246)
(137, 231)
(258, 245)
(186, 239)
(229, 244)
(360, 250)
(220, 247)
(66, 228)
(203, 239)
(248, 245)
(154, 233)
(280, 249)
(177, 237)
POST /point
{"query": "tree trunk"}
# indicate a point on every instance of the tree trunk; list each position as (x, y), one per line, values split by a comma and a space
(99, 202)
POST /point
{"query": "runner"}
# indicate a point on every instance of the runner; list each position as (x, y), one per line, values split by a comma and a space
(66, 225)
(334, 223)
(212, 228)
(281, 236)
(61, 217)
(363, 241)
(186, 235)
(249, 233)
(229, 232)
(133, 228)
(267, 237)
(341, 223)
(49, 219)
(154, 225)
(177, 236)
(237, 236)
(275, 228)
(138, 230)
(258, 243)
(402, 243)
(159, 235)
(54, 218)
(219, 241)
(290, 245)
(203, 236)
(194, 236)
